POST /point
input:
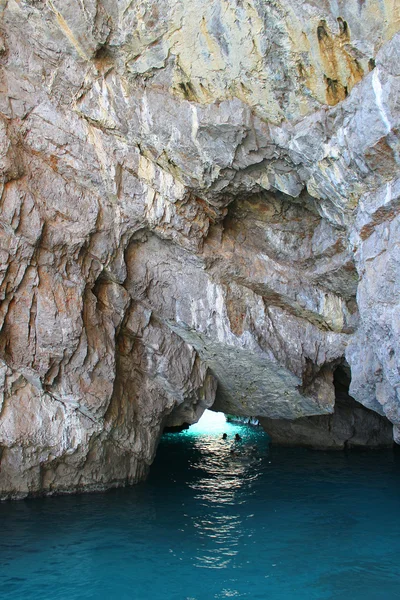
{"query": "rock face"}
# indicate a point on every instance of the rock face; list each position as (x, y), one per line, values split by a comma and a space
(200, 207)
(351, 425)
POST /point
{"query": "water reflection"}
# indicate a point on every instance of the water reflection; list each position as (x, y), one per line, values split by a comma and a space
(220, 475)
(209, 525)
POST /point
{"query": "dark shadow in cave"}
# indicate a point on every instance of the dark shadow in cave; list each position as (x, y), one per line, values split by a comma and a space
(350, 426)
(176, 428)
(341, 381)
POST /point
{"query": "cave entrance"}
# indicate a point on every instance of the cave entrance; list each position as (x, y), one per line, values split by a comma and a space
(218, 439)
(212, 422)
(200, 453)
(341, 382)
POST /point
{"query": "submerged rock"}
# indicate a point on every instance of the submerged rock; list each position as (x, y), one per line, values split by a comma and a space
(200, 207)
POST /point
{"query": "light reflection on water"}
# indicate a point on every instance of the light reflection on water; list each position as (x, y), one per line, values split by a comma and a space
(279, 524)
(224, 468)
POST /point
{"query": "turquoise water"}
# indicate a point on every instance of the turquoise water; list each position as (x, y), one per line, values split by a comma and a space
(273, 524)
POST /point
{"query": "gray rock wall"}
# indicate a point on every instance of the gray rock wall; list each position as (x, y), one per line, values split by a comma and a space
(350, 426)
(193, 196)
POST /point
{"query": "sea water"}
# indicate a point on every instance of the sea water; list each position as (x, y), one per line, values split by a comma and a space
(216, 520)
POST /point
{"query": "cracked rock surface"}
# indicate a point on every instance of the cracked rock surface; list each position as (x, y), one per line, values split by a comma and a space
(199, 207)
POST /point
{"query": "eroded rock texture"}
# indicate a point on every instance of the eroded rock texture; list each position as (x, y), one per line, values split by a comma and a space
(194, 195)
(351, 425)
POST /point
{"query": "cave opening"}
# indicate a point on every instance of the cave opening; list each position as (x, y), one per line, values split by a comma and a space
(216, 452)
(217, 444)
(351, 425)
(212, 422)
(341, 382)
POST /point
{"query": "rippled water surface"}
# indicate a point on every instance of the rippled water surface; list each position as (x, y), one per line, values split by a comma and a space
(271, 524)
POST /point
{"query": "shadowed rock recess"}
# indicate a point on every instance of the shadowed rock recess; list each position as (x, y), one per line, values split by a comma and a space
(199, 207)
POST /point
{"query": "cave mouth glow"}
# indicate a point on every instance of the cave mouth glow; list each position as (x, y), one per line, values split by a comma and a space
(210, 422)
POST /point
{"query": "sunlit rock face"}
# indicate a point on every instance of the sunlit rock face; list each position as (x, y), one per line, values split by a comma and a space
(199, 207)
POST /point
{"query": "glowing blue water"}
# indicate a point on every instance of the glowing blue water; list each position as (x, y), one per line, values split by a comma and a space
(291, 524)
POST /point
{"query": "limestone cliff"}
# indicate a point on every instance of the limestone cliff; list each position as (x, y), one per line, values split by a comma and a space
(200, 207)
